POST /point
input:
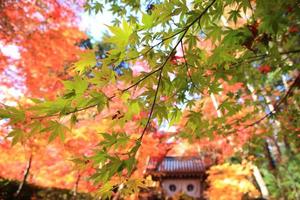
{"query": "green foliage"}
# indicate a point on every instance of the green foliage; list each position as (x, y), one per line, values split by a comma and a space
(285, 181)
(106, 191)
(132, 186)
(56, 129)
(114, 140)
(16, 135)
(120, 36)
(87, 61)
(15, 115)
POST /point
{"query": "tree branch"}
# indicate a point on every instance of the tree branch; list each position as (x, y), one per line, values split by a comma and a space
(26, 173)
(165, 62)
(184, 30)
(157, 44)
(143, 78)
(139, 140)
(259, 57)
(246, 60)
(295, 84)
(75, 190)
(67, 113)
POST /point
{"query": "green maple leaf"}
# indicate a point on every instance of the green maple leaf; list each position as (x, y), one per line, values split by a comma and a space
(16, 136)
(87, 60)
(120, 35)
(147, 21)
(56, 129)
(78, 85)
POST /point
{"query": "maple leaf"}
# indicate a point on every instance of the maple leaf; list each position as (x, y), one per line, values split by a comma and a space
(120, 35)
(87, 61)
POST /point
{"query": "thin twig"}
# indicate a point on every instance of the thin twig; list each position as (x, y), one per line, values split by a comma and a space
(259, 57)
(163, 65)
(271, 113)
(153, 105)
(75, 191)
(277, 104)
(26, 173)
(187, 69)
(157, 44)
(67, 113)
(143, 78)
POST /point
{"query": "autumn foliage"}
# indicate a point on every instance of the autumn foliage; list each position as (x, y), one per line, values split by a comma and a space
(45, 35)
(45, 40)
(231, 181)
(213, 79)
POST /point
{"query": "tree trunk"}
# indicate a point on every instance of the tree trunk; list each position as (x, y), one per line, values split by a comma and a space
(268, 155)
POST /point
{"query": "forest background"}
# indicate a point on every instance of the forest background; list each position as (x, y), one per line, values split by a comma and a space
(217, 78)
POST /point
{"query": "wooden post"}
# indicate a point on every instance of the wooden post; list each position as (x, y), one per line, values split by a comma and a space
(260, 181)
(216, 104)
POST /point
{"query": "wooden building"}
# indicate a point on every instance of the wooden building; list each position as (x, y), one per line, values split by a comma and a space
(178, 175)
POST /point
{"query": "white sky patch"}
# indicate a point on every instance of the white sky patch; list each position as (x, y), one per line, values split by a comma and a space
(96, 25)
(11, 76)
(165, 127)
(10, 50)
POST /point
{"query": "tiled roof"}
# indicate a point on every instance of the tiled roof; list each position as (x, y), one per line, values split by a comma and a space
(173, 166)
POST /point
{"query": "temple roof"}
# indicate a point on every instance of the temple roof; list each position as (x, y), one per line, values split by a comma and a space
(176, 167)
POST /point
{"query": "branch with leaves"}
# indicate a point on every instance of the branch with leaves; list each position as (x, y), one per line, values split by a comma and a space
(166, 89)
(278, 104)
